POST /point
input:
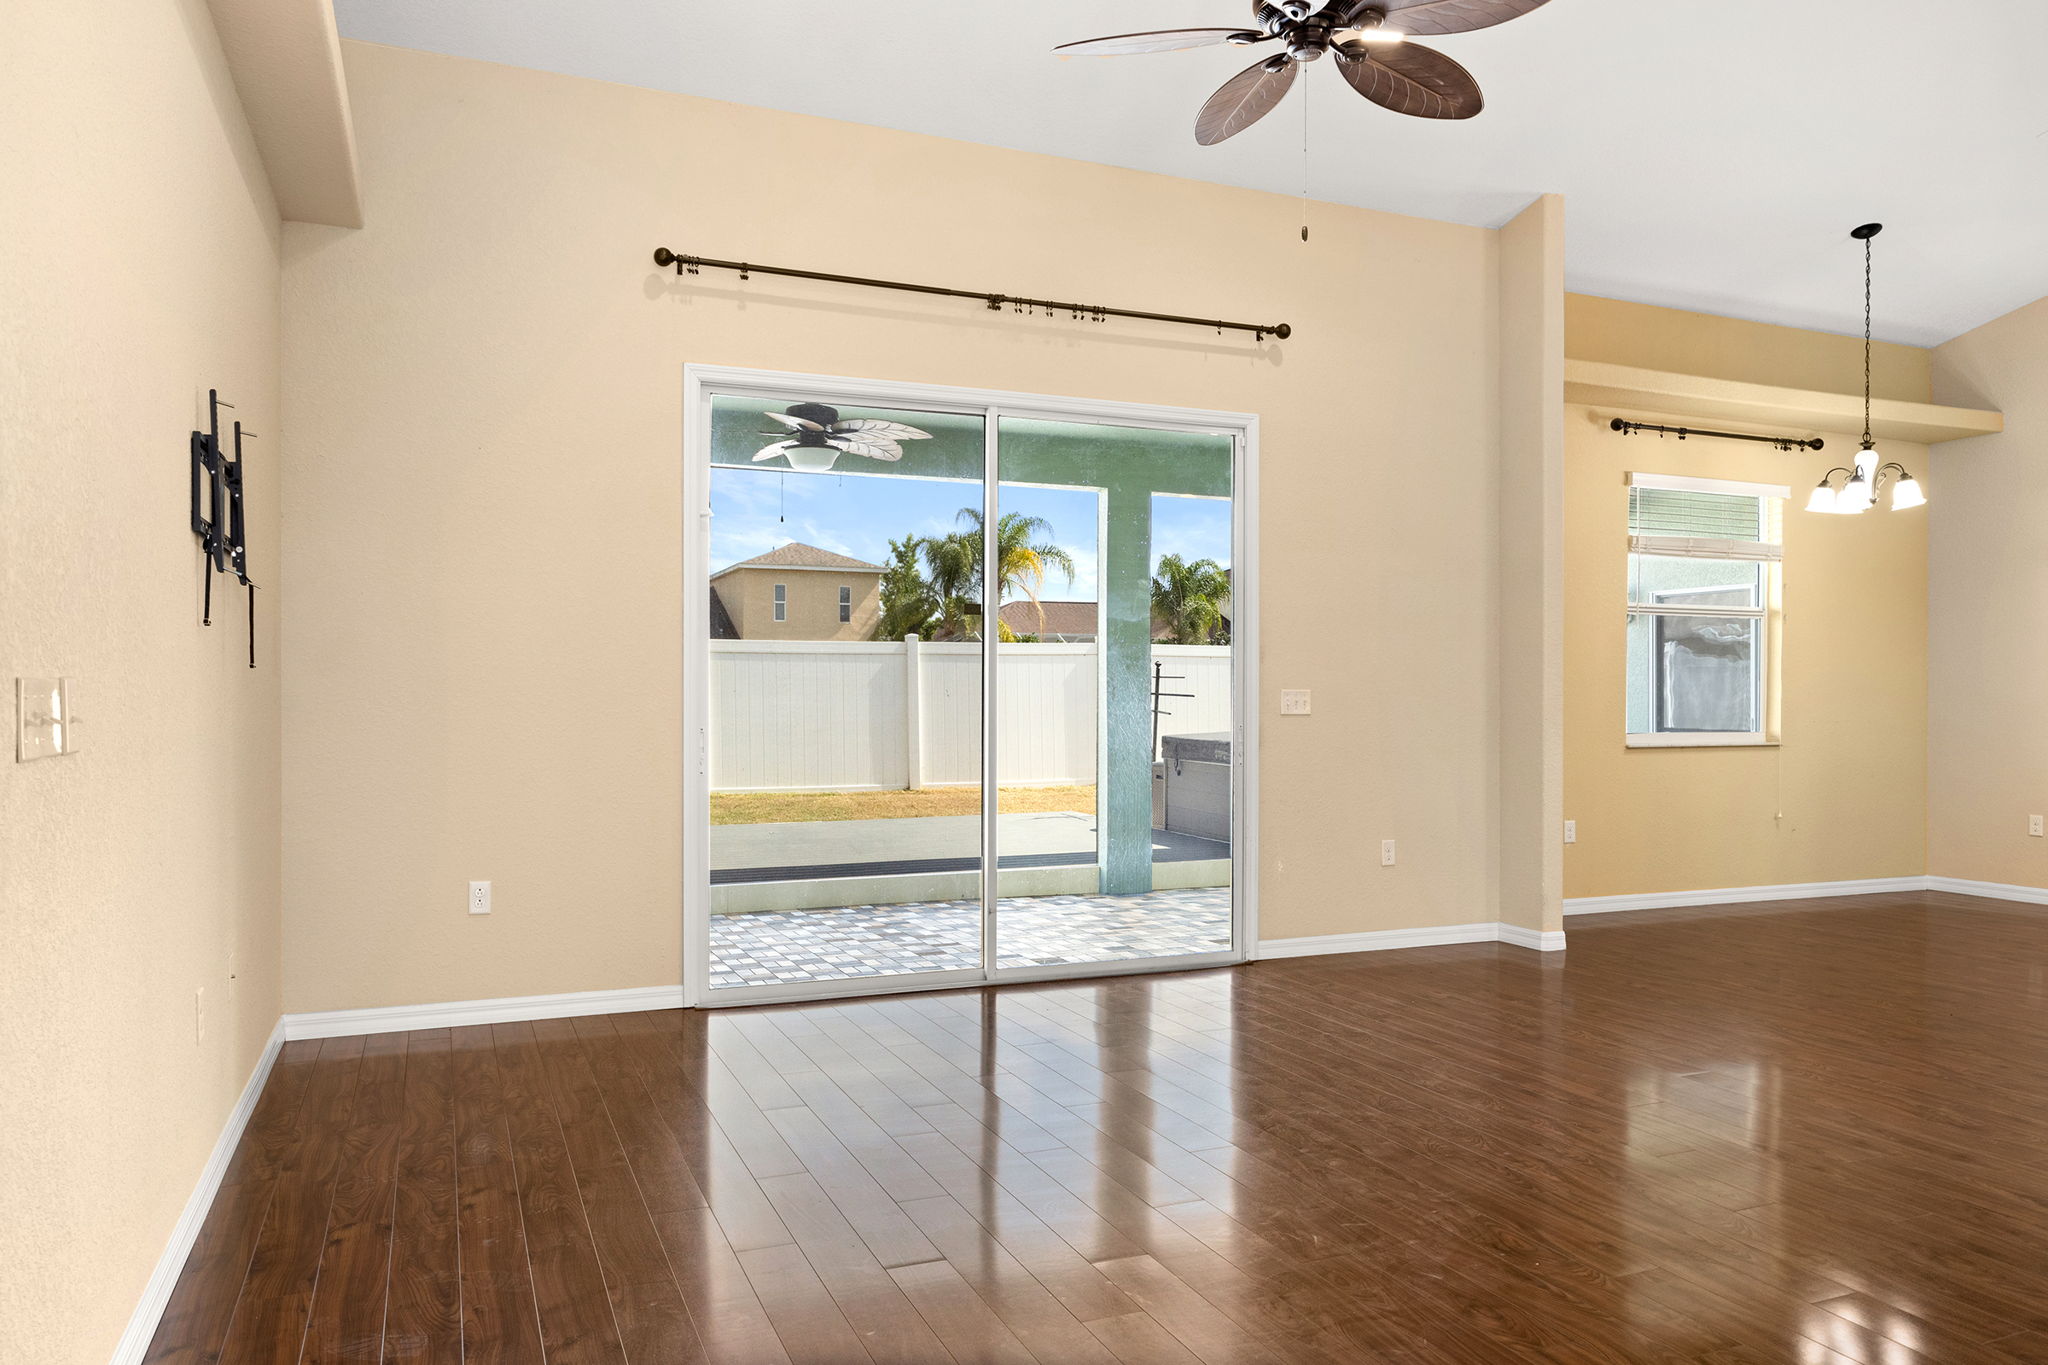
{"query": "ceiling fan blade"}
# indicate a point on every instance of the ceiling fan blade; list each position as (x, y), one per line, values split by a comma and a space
(1165, 40)
(1410, 79)
(875, 426)
(1430, 17)
(1243, 100)
(874, 447)
(770, 452)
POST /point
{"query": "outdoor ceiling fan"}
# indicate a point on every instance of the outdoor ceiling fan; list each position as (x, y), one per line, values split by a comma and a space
(821, 437)
(1369, 39)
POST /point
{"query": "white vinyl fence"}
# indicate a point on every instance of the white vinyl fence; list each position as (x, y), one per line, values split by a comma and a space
(824, 716)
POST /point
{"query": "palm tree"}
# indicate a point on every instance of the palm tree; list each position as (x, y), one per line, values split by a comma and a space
(1187, 600)
(908, 604)
(953, 565)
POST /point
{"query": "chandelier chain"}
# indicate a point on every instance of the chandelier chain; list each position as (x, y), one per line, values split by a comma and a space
(1866, 344)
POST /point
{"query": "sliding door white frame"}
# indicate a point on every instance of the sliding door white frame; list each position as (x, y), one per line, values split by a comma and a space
(700, 383)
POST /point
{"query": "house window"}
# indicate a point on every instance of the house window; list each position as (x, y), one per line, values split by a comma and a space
(1703, 572)
(845, 603)
(782, 601)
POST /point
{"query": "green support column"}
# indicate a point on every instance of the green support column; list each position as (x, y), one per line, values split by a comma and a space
(1124, 795)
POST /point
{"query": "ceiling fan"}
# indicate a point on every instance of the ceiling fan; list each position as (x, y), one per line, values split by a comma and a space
(1368, 38)
(821, 437)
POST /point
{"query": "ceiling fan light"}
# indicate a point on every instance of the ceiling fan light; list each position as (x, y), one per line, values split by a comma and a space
(1906, 493)
(811, 459)
(1379, 37)
(1822, 499)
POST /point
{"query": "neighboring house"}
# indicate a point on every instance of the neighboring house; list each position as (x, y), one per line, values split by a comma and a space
(1072, 623)
(1065, 623)
(796, 592)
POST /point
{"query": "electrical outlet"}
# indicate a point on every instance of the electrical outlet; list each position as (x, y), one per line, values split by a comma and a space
(1571, 831)
(479, 898)
(199, 1015)
(1294, 701)
(1386, 853)
(2034, 826)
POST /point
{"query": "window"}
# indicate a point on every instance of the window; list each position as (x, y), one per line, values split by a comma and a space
(1703, 564)
(782, 601)
(845, 603)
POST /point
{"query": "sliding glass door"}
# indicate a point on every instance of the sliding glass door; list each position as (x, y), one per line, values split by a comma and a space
(964, 690)
(1121, 698)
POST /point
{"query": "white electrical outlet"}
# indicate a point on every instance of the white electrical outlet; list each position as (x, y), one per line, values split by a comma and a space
(1571, 831)
(479, 898)
(1386, 853)
(1294, 701)
(2034, 826)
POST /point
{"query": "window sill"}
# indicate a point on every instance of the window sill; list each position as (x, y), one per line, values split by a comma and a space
(1700, 742)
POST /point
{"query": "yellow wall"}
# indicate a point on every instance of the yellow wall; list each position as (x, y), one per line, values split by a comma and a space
(434, 631)
(1845, 795)
(1989, 588)
(139, 267)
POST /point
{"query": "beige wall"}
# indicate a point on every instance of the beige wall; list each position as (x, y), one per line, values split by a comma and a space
(1531, 568)
(1988, 737)
(813, 603)
(524, 206)
(139, 267)
(1845, 795)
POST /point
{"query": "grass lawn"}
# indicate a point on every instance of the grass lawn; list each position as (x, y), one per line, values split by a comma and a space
(766, 808)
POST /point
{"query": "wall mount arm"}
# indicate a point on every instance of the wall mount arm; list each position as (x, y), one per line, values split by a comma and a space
(1682, 433)
(664, 258)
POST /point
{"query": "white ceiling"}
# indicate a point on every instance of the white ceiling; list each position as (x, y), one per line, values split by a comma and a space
(1712, 156)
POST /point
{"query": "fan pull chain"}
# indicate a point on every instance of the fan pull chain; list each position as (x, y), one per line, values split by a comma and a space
(1306, 86)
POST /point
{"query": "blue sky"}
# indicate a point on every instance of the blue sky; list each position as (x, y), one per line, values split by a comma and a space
(756, 510)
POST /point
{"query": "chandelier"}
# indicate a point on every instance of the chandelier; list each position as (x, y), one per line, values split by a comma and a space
(1861, 485)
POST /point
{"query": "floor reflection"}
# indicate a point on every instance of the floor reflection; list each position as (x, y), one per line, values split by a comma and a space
(1808, 1135)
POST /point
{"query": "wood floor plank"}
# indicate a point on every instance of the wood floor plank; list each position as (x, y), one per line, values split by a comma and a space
(346, 1322)
(500, 1323)
(577, 1323)
(1715, 1136)
(424, 1315)
(270, 1317)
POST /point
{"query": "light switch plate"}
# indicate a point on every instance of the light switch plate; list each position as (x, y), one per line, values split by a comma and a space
(1294, 701)
(40, 722)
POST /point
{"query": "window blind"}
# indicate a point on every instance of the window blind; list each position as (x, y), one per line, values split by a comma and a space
(1690, 523)
(1709, 516)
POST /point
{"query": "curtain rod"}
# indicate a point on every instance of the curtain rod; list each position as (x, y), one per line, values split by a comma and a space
(664, 257)
(1781, 442)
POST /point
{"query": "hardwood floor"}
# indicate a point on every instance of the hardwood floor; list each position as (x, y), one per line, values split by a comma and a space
(1811, 1132)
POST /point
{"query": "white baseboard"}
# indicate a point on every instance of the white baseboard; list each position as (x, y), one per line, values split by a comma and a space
(156, 1295)
(1386, 940)
(2001, 891)
(1551, 941)
(1742, 895)
(456, 1013)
